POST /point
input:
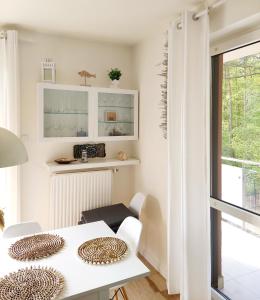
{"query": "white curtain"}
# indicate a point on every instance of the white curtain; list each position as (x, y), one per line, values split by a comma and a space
(9, 118)
(188, 145)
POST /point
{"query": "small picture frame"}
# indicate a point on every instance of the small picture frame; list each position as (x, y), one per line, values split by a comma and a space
(48, 69)
(110, 116)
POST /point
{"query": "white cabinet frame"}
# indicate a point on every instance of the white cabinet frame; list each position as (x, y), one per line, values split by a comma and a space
(115, 91)
(92, 113)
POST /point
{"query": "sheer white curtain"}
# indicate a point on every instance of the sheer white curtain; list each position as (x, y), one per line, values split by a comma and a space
(9, 118)
(188, 145)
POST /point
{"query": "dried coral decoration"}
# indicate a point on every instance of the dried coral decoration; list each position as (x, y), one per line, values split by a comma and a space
(2, 220)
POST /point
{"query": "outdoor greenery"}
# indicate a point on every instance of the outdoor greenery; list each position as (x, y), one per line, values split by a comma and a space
(241, 113)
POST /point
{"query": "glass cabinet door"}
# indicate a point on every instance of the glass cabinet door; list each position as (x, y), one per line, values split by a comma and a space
(65, 113)
(115, 114)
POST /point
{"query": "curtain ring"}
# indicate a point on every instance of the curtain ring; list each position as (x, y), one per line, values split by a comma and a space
(179, 25)
(3, 35)
(194, 17)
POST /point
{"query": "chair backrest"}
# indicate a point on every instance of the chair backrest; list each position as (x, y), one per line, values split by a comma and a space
(136, 204)
(22, 229)
(130, 231)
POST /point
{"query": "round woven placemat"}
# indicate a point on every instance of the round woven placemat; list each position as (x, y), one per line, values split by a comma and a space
(36, 246)
(33, 283)
(104, 250)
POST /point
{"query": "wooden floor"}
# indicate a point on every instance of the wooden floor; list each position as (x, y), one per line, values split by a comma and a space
(152, 287)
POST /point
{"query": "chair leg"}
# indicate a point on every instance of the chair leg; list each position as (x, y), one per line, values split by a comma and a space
(116, 295)
(124, 293)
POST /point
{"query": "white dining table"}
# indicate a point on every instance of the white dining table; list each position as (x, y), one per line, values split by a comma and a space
(82, 280)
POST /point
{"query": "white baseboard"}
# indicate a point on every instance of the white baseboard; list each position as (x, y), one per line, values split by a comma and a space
(154, 261)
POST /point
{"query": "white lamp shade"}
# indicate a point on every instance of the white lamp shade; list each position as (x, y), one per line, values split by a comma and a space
(12, 150)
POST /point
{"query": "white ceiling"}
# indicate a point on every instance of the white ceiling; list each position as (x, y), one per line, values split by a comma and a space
(121, 21)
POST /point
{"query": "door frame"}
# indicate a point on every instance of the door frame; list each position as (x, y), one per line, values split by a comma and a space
(220, 205)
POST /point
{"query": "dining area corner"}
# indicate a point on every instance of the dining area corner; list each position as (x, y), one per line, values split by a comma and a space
(78, 262)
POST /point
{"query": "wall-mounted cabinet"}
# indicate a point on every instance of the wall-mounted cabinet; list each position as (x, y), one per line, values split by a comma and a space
(77, 113)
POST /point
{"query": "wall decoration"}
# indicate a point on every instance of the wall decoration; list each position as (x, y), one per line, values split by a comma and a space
(48, 70)
(163, 102)
(2, 220)
(85, 74)
(110, 116)
(93, 150)
(115, 75)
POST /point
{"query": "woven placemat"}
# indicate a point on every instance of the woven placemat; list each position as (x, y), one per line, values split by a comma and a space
(104, 250)
(32, 283)
(36, 246)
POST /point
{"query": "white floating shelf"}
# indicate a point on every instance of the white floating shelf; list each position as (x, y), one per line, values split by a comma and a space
(92, 164)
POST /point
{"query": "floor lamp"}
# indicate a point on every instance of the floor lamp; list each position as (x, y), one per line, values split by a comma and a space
(12, 153)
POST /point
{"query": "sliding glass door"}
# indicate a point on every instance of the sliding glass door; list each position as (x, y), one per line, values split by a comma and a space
(235, 173)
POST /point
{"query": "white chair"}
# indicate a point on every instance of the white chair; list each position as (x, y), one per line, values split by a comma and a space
(21, 229)
(130, 231)
(137, 203)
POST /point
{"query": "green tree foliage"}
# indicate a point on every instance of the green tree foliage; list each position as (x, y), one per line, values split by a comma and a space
(241, 110)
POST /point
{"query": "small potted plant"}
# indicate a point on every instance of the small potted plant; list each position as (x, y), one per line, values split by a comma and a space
(115, 75)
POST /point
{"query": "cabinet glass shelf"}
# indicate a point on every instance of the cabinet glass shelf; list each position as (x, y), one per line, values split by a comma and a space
(115, 122)
(66, 113)
(115, 114)
(110, 106)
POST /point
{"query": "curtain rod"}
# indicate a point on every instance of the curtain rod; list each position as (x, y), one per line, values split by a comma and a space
(199, 14)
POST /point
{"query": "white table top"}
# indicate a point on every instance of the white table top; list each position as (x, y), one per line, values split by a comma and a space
(80, 278)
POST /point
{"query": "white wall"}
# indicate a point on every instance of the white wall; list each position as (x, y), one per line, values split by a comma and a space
(151, 175)
(71, 56)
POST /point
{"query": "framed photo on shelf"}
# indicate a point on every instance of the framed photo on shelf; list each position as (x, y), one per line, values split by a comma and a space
(110, 116)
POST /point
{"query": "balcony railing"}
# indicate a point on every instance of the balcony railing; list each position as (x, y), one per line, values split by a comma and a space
(245, 162)
(241, 182)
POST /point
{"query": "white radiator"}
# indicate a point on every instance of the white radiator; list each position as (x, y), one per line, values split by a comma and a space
(72, 193)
